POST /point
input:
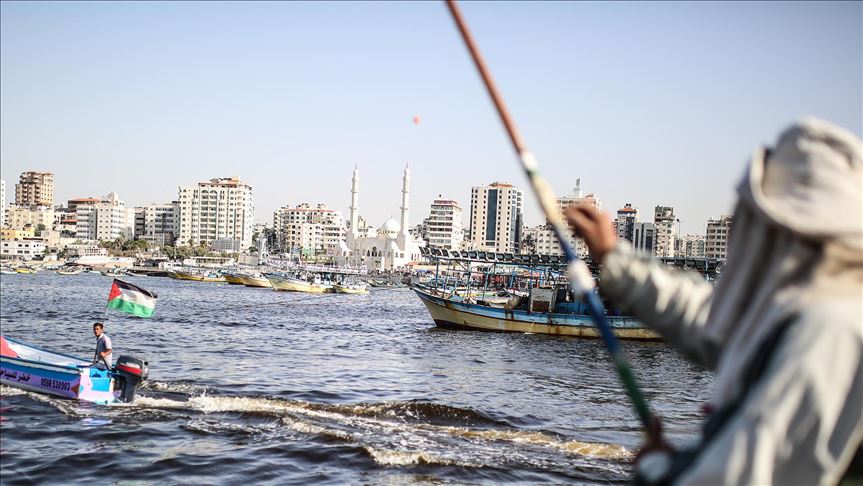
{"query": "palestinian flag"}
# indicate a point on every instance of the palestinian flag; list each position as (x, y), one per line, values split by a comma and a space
(131, 299)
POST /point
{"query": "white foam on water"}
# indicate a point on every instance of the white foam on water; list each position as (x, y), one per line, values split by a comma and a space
(386, 457)
(10, 391)
(390, 442)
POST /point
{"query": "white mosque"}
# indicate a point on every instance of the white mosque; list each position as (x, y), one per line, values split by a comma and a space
(391, 247)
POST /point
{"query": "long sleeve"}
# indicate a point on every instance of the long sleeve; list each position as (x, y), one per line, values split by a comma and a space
(674, 303)
(803, 420)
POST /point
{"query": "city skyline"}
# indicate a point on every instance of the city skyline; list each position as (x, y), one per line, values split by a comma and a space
(654, 105)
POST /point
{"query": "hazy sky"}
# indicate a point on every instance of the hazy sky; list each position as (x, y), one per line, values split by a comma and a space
(648, 103)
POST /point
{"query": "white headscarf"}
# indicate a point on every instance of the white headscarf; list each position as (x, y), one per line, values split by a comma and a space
(797, 237)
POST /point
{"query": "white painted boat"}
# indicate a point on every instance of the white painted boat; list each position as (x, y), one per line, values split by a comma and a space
(291, 284)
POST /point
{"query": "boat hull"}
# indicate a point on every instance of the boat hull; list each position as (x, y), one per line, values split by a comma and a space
(62, 378)
(249, 281)
(348, 290)
(450, 314)
(295, 285)
(194, 277)
(233, 279)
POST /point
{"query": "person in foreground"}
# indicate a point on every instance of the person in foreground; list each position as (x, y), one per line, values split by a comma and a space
(783, 327)
(103, 347)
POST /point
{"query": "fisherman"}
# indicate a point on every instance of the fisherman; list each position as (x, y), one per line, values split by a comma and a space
(782, 329)
(103, 347)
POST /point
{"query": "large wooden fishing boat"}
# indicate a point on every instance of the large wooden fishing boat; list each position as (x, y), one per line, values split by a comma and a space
(456, 313)
(196, 277)
(292, 284)
(484, 291)
(256, 281)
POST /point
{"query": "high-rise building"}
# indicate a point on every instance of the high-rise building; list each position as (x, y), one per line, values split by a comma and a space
(35, 189)
(305, 228)
(443, 228)
(627, 216)
(691, 246)
(716, 240)
(496, 217)
(542, 239)
(157, 223)
(2, 203)
(644, 237)
(220, 209)
(665, 224)
(107, 219)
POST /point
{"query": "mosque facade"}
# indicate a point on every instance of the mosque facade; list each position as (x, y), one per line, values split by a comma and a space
(389, 248)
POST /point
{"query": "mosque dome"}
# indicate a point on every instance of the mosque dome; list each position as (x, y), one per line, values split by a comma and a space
(391, 227)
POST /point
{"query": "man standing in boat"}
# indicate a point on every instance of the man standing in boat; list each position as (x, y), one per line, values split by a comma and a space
(782, 329)
(103, 346)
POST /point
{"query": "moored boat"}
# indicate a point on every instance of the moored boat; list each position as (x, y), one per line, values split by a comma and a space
(455, 313)
(233, 278)
(69, 271)
(7, 271)
(196, 276)
(114, 273)
(351, 288)
(291, 284)
(25, 270)
(35, 369)
(256, 281)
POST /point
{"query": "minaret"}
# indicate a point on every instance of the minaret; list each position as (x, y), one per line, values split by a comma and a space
(406, 184)
(578, 188)
(355, 202)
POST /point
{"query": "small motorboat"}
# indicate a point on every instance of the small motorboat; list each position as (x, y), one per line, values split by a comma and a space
(351, 288)
(116, 272)
(39, 370)
(69, 271)
(25, 270)
(7, 271)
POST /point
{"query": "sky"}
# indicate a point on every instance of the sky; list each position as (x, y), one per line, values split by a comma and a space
(648, 103)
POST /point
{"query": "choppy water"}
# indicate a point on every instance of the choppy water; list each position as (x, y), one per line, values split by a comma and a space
(257, 386)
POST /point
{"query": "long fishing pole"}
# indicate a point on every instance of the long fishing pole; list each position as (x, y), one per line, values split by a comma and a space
(580, 278)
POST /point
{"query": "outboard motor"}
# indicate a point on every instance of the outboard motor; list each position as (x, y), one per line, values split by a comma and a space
(132, 371)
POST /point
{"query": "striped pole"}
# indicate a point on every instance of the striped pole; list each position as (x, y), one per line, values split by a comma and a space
(580, 278)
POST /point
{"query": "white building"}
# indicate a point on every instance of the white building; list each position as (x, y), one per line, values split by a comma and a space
(305, 228)
(443, 228)
(17, 217)
(691, 246)
(22, 249)
(496, 217)
(35, 189)
(216, 210)
(107, 219)
(716, 241)
(157, 223)
(2, 203)
(392, 247)
(665, 224)
(542, 239)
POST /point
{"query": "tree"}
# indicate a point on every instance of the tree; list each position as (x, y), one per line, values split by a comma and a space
(39, 230)
(528, 244)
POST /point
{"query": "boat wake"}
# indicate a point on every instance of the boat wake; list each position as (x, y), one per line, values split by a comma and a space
(391, 434)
